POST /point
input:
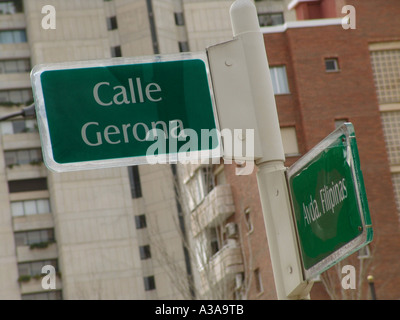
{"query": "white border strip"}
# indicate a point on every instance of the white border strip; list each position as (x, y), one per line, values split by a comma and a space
(294, 3)
(302, 24)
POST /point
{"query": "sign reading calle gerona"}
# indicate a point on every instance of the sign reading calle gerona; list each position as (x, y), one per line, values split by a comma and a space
(97, 114)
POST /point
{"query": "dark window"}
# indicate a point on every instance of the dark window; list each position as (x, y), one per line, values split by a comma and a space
(149, 283)
(16, 96)
(134, 178)
(27, 185)
(11, 7)
(209, 181)
(26, 156)
(15, 66)
(112, 23)
(183, 46)
(179, 20)
(145, 252)
(116, 51)
(19, 126)
(153, 31)
(34, 268)
(214, 243)
(140, 221)
(331, 64)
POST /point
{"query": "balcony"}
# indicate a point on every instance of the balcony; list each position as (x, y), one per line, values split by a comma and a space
(11, 81)
(222, 269)
(34, 284)
(215, 208)
(14, 50)
(26, 171)
(27, 140)
(26, 253)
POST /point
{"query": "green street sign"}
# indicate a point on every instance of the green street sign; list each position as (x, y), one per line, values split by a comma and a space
(329, 202)
(128, 111)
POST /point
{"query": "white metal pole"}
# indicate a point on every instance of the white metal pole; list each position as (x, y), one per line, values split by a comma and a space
(274, 195)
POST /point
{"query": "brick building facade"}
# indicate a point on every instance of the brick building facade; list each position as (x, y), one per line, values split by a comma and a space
(331, 78)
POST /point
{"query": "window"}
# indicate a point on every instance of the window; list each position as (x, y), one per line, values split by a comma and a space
(49, 295)
(149, 283)
(331, 65)
(270, 19)
(258, 280)
(208, 177)
(249, 223)
(144, 252)
(12, 36)
(27, 238)
(15, 66)
(279, 80)
(214, 241)
(116, 51)
(200, 185)
(30, 207)
(16, 96)
(183, 46)
(153, 31)
(134, 179)
(179, 18)
(289, 140)
(140, 221)
(10, 7)
(18, 126)
(19, 157)
(27, 185)
(112, 23)
(35, 267)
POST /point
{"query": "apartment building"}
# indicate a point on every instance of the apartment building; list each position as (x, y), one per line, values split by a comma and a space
(109, 234)
(94, 227)
(323, 75)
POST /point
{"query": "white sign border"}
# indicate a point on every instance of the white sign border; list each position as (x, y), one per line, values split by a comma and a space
(358, 242)
(116, 162)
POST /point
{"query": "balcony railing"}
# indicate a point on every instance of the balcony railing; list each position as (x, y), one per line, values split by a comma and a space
(216, 207)
(34, 284)
(222, 269)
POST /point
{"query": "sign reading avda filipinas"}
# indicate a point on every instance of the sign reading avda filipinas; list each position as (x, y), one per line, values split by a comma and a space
(98, 114)
(329, 202)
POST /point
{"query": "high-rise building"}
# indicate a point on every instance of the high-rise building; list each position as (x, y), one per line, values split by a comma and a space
(99, 229)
